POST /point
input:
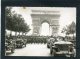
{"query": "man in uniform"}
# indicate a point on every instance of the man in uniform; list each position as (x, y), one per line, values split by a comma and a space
(52, 41)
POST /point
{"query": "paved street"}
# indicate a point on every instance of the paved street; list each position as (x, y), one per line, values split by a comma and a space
(32, 50)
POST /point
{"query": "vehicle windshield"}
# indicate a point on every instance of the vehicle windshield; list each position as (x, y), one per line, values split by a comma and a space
(18, 41)
(63, 47)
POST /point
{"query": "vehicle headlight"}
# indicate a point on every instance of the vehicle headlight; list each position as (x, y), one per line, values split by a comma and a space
(70, 49)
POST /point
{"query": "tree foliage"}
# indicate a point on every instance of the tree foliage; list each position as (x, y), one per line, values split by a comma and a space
(15, 22)
(8, 18)
(70, 29)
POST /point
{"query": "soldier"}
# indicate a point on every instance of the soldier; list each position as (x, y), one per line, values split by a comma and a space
(52, 39)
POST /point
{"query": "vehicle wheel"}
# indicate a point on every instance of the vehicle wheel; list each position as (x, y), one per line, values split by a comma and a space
(12, 50)
(25, 45)
(48, 46)
(72, 55)
(5, 53)
(53, 52)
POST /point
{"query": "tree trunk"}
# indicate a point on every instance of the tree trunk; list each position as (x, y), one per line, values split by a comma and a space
(22, 33)
(19, 33)
(73, 36)
(15, 33)
(25, 33)
(10, 33)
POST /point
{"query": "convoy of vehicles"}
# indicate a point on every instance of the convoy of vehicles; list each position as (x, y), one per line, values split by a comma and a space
(58, 46)
(11, 43)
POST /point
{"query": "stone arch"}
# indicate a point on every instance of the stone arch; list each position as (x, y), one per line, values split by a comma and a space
(45, 21)
(39, 17)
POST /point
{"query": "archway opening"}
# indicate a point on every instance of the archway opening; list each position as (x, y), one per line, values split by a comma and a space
(45, 30)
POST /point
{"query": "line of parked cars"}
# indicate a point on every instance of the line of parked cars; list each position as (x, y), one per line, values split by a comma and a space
(60, 47)
(11, 43)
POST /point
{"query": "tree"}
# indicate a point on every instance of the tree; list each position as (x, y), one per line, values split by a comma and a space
(26, 28)
(20, 25)
(70, 29)
(8, 18)
(65, 30)
(15, 22)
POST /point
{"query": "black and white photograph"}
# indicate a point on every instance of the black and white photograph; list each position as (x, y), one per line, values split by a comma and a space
(40, 31)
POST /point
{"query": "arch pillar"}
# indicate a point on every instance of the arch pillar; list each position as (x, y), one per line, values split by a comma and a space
(54, 29)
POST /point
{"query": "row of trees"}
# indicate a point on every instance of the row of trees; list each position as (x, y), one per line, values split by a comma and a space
(15, 22)
(70, 29)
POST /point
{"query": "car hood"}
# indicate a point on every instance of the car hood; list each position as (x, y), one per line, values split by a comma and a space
(62, 42)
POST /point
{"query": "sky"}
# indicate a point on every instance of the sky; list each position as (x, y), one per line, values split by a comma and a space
(67, 15)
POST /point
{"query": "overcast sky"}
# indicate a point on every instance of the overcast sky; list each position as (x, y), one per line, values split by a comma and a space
(67, 14)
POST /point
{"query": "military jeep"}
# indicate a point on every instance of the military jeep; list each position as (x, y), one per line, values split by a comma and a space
(9, 45)
(20, 43)
(62, 48)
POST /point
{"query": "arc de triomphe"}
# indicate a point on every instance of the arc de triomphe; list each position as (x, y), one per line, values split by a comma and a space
(41, 16)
